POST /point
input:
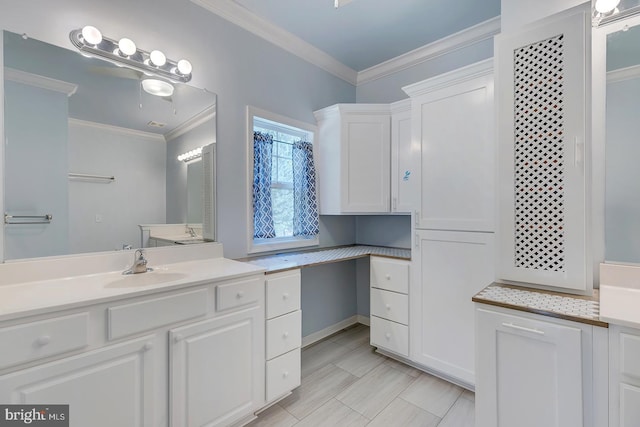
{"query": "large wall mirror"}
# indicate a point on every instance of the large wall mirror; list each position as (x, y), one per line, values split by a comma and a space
(88, 146)
(622, 141)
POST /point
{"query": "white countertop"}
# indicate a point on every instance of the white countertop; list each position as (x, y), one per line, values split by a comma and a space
(620, 294)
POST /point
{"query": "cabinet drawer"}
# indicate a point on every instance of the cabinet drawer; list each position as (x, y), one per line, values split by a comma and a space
(390, 335)
(45, 338)
(390, 274)
(630, 355)
(390, 305)
(283, 374)
(238, 293)
(284, 333)
(128, 319)
(283, 293)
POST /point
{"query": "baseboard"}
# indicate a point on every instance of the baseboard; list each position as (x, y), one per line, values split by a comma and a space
(363, 320)
(323, 333)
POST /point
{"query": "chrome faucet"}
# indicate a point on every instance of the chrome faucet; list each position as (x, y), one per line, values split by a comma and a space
(139, 264)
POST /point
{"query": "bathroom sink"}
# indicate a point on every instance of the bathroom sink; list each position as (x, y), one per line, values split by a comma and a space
(156, 277)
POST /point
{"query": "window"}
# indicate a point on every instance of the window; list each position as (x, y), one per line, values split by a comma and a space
(283, 201)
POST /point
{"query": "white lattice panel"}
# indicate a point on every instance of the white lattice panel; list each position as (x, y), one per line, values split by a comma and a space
(539, 155)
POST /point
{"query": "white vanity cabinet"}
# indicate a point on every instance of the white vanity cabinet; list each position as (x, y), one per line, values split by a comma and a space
(283, 334)
(389, 280)
(542, 94)
(624, 376)
(532, 371)
(404, 159)
(182, 357)
(354, 158)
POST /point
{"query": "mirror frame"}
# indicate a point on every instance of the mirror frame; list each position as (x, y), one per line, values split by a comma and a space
(598, 132)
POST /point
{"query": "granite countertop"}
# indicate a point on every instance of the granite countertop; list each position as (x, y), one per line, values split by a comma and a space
(577, 308)
(293, 260)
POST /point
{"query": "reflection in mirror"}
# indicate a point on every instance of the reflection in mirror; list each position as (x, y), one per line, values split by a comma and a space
(622, 193)
(68, 114)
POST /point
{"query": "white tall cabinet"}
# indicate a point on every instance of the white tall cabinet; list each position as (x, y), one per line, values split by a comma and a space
(542, 97)
(452, 259)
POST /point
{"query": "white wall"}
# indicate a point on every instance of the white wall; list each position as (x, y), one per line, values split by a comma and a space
(137, 196)
(36, 152)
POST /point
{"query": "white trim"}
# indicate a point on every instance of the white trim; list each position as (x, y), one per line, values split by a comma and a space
(623, 74)
(328, 331)
(195, 121)
(470, 72)
(353, 109)
(117, 129)
(37, 80)
(400, 106)
(363, 320)
(459, 40)
(244, 18)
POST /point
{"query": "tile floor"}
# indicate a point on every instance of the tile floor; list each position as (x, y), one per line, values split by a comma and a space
(346, 384)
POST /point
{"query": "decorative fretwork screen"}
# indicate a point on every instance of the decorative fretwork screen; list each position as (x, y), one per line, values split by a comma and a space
(539, 156)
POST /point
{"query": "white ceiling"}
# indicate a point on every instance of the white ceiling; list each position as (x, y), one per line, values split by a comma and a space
(365, 33)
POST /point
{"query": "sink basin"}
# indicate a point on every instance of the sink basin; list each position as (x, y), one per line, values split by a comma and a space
(156, 277)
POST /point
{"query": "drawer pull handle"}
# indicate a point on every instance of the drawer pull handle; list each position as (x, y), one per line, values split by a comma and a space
(285, 295)
(285, 374)
(43, 340)
(387, 335)
(285, 335)
(148, 346)
(388, 277)
(177, 338)
(388, 307)
(522, 328)
(240, 294)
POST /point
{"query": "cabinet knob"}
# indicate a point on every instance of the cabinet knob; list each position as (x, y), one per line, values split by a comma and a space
(177, 338)
(148, 346)
(285, 295)
(240, 294)
(387, 335)
(43, 340)
(285, 374)
(388, 277)
(285, 335)
(388, 307)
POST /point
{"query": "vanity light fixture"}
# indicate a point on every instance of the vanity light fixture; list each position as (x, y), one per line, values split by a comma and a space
(90, 41)
(190, 155)
(606, 6)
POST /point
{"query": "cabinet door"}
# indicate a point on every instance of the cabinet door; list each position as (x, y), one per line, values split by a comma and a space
(404, 163)
(541, 167)
(366, 163)
(217, 369)
(449, 269)
(112, 386)
(455, 128)
(529, 372)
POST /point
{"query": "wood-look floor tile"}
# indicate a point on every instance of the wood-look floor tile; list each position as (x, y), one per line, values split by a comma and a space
(469, 395)
(332, 414)
(316, 390)
(320, 355)
(373, 392)
(353, 337)
(402, 413)
(432, 394)
(461, 414)
(360, 361)
(409, 370)
(274, 416)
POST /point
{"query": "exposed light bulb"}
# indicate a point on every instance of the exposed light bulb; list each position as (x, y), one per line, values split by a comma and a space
(606, 6)
(126, 46)
(184, 67)
(91, 35)
(157, 58)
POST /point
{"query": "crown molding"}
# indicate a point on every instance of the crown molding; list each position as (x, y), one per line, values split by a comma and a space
(37, 80)
(400, 106)
(117, 129)
(481, 68)
(459, 40)
(236, 14)
(623, 74)
(195, 121)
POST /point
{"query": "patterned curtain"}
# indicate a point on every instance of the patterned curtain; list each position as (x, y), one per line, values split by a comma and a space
(305, 204)
(262, 210)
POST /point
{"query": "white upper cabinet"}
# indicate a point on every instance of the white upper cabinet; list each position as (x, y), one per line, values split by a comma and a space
(452, 121)
(354, 158)
(404, 158)
(541, 169)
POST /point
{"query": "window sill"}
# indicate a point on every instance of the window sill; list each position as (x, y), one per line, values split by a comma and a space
(270, 245)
